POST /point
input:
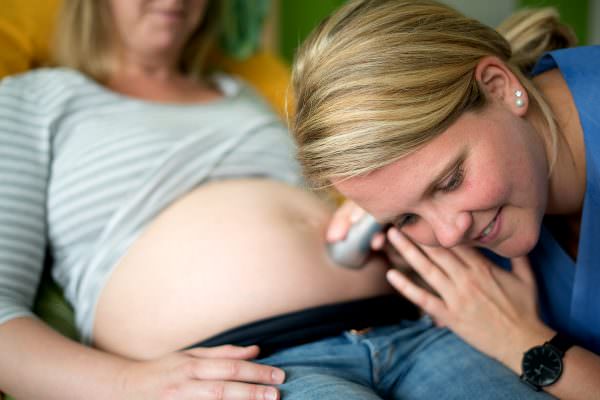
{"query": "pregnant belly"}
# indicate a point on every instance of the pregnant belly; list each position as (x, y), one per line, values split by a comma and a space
(226, 254)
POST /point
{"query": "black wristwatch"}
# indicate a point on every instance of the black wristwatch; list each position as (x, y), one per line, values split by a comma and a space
(543, 365)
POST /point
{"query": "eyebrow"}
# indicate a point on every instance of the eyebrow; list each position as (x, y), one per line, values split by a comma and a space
(450, 167)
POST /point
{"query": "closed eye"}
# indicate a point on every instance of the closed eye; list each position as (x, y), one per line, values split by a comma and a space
(454, 181)
(454, 177)
(406, 219)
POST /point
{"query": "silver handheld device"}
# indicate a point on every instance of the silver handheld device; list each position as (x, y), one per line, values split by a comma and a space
(352, 252)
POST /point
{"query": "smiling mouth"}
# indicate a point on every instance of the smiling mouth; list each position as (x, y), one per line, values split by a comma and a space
(175, 13)
(489, 228)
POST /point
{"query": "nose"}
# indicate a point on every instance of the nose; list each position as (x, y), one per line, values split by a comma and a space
(450, 229)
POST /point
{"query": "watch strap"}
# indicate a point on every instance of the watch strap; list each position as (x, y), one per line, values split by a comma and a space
(561, 342)
(531, 385)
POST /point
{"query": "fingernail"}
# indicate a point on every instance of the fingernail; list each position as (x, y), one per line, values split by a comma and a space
(394, 276)
(278, 376)
(271, 394)
(393, 234)
(334, 233)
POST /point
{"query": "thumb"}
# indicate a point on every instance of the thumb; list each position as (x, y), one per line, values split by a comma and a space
(521, 267)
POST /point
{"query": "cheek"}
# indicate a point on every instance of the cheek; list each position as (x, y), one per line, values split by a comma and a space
(484, 190)
(126, 20)
(494, 192)
(421, 233)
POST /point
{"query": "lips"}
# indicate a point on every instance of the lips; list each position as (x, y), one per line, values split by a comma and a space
(170, 13)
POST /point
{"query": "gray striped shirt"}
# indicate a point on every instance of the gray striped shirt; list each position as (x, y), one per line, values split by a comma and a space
(83, 170)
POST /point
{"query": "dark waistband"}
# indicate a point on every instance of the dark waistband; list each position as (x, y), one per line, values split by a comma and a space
(292, 329)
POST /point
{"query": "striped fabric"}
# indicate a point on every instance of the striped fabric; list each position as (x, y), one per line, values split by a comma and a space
(83, 170)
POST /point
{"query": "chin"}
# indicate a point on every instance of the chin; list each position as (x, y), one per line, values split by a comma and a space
(518, 245)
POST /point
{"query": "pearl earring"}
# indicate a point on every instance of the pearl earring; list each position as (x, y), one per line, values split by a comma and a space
(519, 101)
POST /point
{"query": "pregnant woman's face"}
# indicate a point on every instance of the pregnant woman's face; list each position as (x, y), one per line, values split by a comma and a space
(155, 26)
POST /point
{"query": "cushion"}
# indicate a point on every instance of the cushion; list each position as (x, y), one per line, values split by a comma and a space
(25, 27)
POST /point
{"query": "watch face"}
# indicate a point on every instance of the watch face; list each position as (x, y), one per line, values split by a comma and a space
(542, 365)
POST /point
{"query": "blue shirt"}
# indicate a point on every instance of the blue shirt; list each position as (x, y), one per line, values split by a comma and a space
(570, 291)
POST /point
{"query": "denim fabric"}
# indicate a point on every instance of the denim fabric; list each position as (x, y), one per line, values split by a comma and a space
(411, 360)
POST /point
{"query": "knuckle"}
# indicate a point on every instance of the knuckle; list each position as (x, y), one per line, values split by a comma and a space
(170, 392)
(255, 393)
(185, 368)
(429, 271)
(196, 368)
(233, 368)
(266, 374)
(217, 390)
(192, 368)
(470, 285)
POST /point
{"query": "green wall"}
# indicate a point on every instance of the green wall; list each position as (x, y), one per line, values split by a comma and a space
(572, 12)
(298, 17)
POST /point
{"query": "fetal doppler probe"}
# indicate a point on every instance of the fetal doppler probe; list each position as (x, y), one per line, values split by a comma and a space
(352, 252)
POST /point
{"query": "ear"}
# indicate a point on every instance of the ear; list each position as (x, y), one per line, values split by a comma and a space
(500, 84)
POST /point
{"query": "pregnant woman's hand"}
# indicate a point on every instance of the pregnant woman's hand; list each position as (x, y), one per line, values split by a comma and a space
(223, 373)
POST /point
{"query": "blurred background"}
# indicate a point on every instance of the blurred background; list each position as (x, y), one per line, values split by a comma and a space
(291, 20)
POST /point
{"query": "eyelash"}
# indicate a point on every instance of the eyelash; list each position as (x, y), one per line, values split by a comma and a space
(454, 182)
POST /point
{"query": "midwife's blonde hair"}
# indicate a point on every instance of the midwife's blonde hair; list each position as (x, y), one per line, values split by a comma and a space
(380, 78)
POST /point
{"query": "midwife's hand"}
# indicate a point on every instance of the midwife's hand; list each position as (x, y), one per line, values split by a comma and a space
(492, 309)
(341, 221)
(348, 214)
(202, 373)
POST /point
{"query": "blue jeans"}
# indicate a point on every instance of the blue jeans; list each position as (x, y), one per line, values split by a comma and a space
(411, 360)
